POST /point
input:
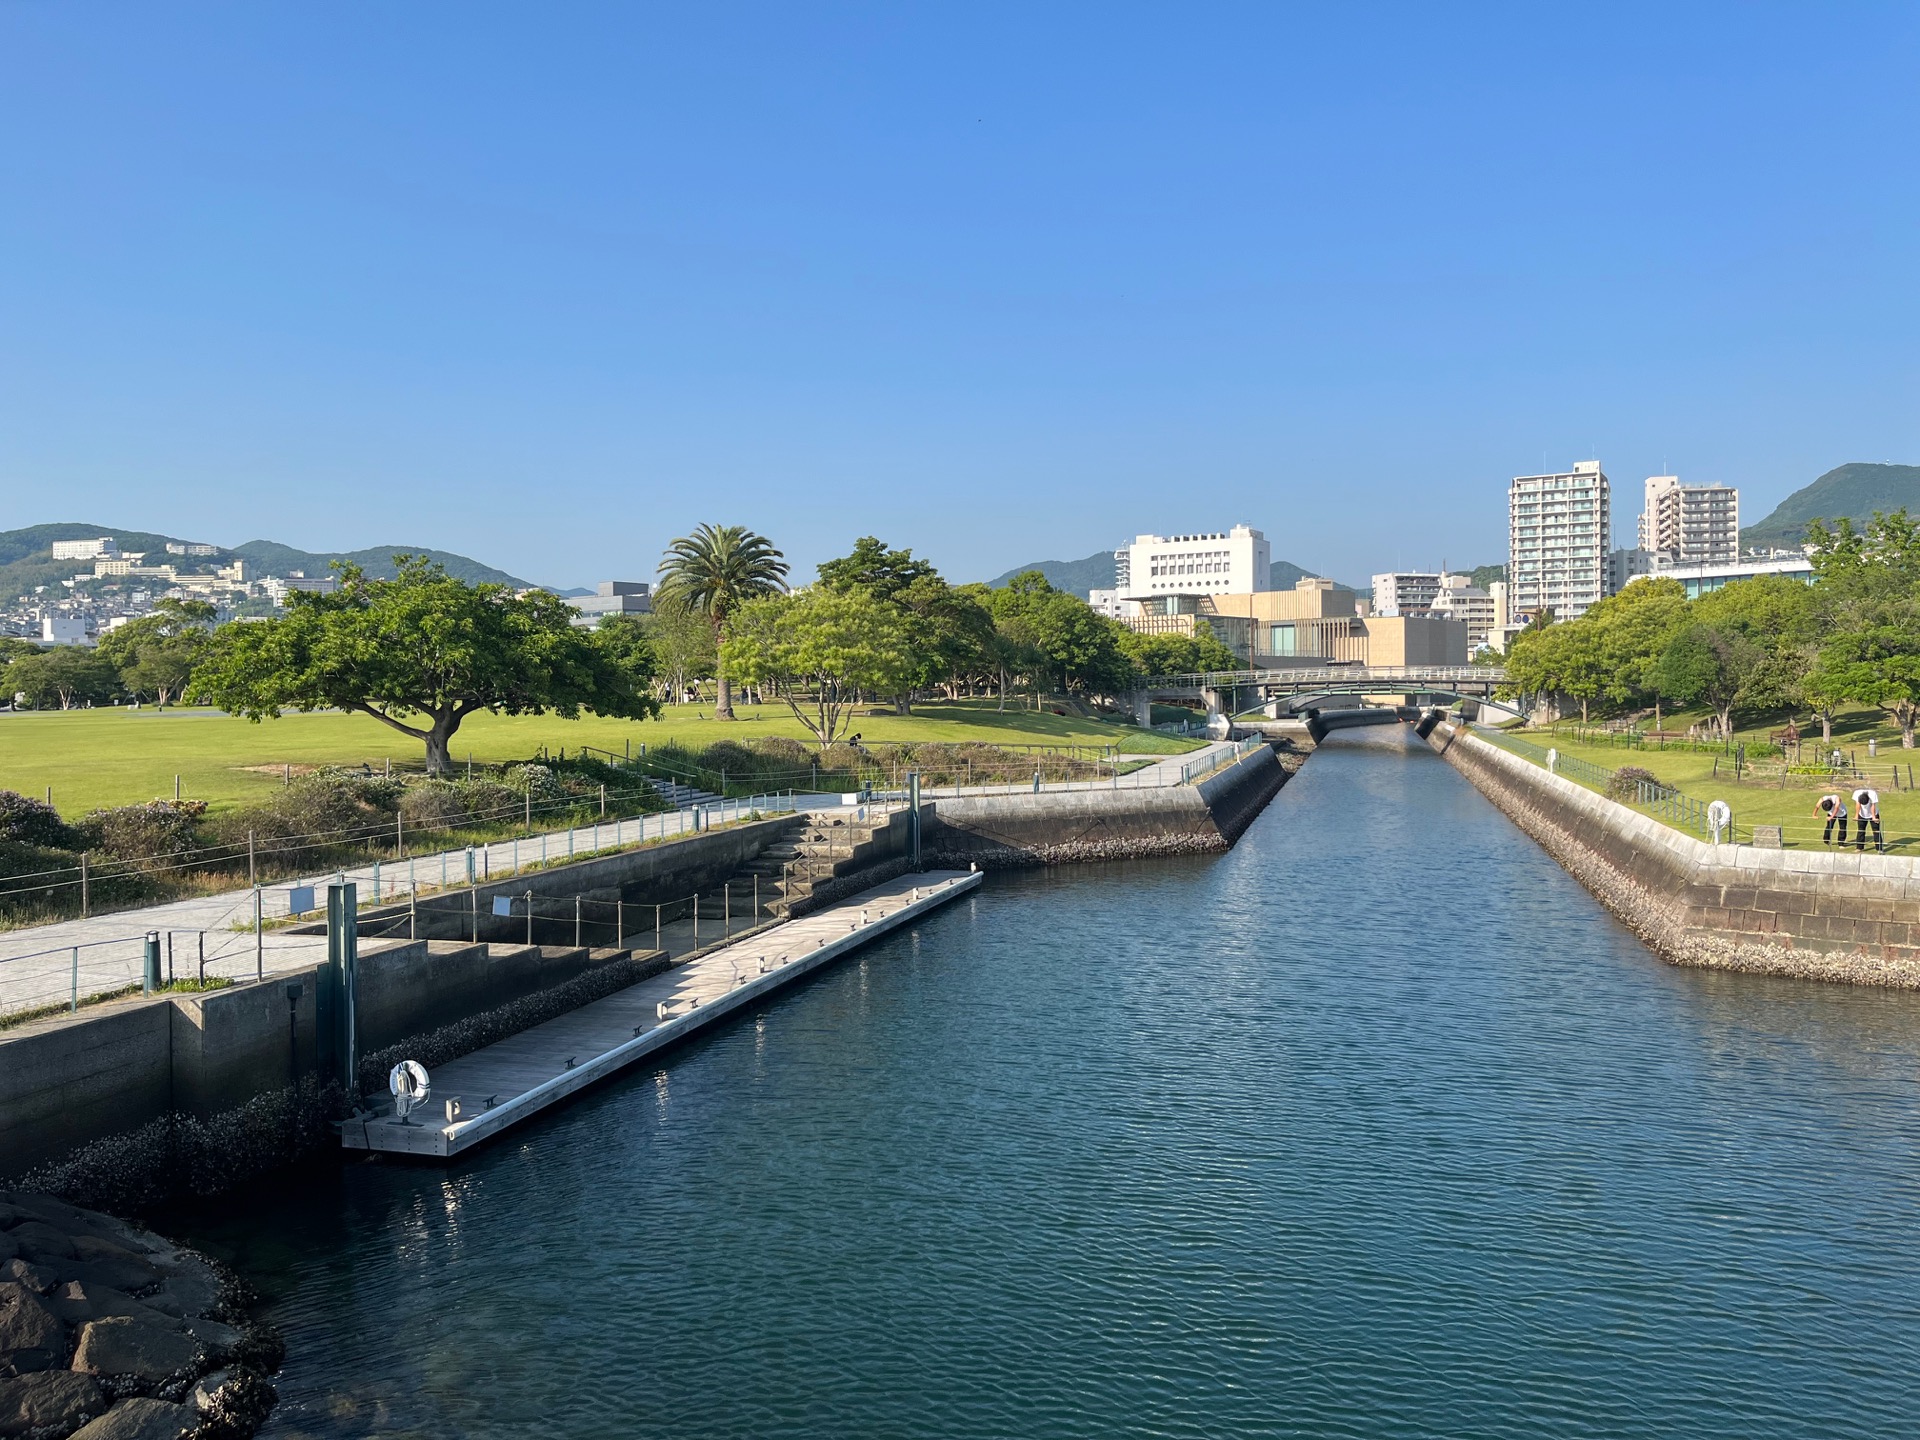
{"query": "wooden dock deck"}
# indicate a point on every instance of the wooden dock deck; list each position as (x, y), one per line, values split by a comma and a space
(478, 1096)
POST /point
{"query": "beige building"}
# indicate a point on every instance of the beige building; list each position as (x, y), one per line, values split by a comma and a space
(1318, 622)
(1690, 524)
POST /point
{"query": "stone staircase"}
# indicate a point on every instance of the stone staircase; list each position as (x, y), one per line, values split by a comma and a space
(682, 797)
(819, 850)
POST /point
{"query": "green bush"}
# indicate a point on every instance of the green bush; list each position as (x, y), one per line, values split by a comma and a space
(34, 822)
(491, 803)
(153, 836)
(1625, 784)
(433, 805)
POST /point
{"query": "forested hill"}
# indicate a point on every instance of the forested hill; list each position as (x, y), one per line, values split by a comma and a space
(1096, 572)
(1853, 491)
(26, 557)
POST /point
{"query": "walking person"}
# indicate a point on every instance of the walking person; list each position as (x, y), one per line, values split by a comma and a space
(1834, 807)
(1866, 811)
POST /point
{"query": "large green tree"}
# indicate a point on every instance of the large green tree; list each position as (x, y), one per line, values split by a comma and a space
(1193, 654)
(713, 572)
(946, 627)
(1879, 665)
(1559, 660)
(157, 654)
(1081, 648)
(1721, 669)
(819, 649)
(420, 652)
(682, 643)
(1633, 628)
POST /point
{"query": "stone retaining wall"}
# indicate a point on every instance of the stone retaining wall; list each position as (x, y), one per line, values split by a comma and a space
(1815, 914)
(1064, 827)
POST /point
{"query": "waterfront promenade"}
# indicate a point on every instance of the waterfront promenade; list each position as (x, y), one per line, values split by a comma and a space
(46, 965)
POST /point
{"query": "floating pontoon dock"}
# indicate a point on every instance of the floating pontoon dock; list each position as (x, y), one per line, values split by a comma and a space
(477, 1096)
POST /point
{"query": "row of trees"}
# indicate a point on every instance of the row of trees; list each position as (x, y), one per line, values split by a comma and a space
(1852, 636)
(152, 658)
(423, 651)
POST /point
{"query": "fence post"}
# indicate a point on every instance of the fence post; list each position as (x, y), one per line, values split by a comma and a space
(73, 1005)
(250, 875)
(86, 904)
(259, 949)
(150, 971)
(203, 957)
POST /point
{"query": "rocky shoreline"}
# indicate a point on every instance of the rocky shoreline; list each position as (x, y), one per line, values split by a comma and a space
(110, 1332)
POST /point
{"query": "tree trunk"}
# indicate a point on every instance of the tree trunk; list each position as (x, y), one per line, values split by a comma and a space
(1583, 709)
(903, 704)
(1726, 723)
(1656, 715)
(1826, 727)
(439, 739)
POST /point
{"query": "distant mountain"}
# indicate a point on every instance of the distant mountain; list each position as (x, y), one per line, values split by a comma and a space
(1485, 575)
(26, 557)
(1096, 572)
(1853, 491)
(273, 558)
(1075, 576)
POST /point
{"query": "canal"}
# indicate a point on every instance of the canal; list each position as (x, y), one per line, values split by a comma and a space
(1377, 1126)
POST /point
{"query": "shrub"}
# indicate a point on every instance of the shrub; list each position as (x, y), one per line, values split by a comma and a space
(34, 822)
(783, 753)
(153, 835)
(321, 811)
(535, 780)
(434, 805)
(492, 803)
(1625, 784)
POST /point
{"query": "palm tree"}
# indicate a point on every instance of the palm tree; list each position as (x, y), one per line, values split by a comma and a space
(711, 572)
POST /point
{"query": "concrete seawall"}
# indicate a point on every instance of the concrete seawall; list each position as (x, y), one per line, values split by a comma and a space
(1810, 914)
(69, 1081)
(1054, 828)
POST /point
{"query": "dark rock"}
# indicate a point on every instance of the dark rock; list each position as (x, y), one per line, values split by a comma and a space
(206, 1388)
(9, 1247)
(52, 1399)
(189, 1292)
(34, 1206)
(77, 1302)
(31, 1335)
(121, 1345)
(40, 1278)
(210, 1333)
(127, 1274)
(141, 1420)
(40, 1241)
(96, 1247)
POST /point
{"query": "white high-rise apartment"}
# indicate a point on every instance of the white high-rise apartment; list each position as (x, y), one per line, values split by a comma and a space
(1461, 599)
(1690, 524)
(1404, 593)
(1559, 534)
(1237, 562)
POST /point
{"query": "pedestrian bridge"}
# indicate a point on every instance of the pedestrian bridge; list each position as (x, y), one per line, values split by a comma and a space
(1305, 687)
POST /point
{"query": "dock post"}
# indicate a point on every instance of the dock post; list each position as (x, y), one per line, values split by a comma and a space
(342, 1057)
(913, 815)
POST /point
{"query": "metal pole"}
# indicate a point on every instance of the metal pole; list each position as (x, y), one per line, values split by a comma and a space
(529, 917)
(726, 910)
(603, 802)
(150, 971)
(696, 919)
(413, 914)
(473, 912)
(343, 963)
(399, 832)
(259, 949)
(86, 904)
(620, 924)
(74, 1003)
(169, 957)
(251, 880)
(656, 927)
(203, 957)
(576, 921)
(529, 809)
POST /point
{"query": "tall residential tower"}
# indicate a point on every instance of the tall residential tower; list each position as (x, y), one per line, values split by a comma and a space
(1690, 524)
(1559, 533)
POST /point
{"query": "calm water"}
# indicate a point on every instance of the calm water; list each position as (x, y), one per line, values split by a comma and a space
(1377, 1126)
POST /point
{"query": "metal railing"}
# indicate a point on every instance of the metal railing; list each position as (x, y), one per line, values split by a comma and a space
(1664, 802)
(1336, 673)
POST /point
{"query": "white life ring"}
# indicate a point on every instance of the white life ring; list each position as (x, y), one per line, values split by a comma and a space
(410, 1086)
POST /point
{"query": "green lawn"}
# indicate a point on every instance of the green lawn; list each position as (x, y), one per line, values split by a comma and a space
(1765, 803)
(94, 758)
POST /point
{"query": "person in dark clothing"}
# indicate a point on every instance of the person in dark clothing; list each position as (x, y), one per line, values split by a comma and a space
(1835, 809)
(1866, 811)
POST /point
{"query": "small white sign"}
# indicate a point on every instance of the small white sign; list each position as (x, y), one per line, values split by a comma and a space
(503, 905)
(300, 899)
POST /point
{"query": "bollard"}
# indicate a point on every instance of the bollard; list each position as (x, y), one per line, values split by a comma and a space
(150, 979)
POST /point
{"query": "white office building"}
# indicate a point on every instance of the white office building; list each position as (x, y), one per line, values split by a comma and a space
(1236, 562)
(85, 549)
(612, 597)
(1626, 565)
(1460, 599)
(1690, 524)
(1109, 604)
(1560, 532)
(1406, 593)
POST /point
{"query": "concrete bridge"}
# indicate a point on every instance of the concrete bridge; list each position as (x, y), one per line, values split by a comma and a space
(1317, 687)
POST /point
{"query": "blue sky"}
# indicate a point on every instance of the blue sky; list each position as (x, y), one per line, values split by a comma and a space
(550, 284)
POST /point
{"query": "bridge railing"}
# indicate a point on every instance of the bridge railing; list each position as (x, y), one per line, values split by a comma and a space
(1335, 674)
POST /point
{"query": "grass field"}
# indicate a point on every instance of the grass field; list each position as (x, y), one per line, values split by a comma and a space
(94, 758)
(1766, 803)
